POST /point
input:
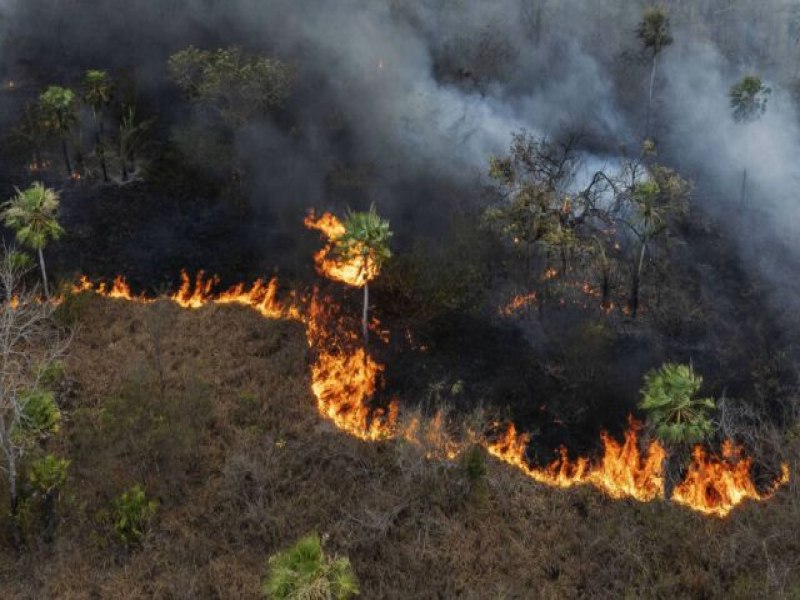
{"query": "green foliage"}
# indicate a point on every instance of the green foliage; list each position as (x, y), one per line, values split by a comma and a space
(98, 89)
(39, 415)
(305, 572)
(59, 108)
(676, 417)
(19, 261)
(132, 133)
(32, 215)
(51, 374)
(474, 465)
(48, 474)
(748, 99)
(71, 305)
(132, 514)
(654, 29)
(239, 87)
(366, 235)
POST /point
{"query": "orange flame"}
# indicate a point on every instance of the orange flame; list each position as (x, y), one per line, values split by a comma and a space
(356, 271)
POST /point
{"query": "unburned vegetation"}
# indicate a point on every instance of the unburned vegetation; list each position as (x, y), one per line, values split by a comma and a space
(238, 465)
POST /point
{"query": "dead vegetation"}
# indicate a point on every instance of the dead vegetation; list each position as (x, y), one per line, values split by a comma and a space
(242, 465)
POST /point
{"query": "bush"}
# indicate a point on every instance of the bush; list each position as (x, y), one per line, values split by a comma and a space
(305, 571)
(48, 473)
(40, 415)
(132, 514)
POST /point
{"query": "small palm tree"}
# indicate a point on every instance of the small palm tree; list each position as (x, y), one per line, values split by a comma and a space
(305, 572)
(59, 108)
(98, 90)
(131, 138)
(32, 215)
(366, 239)
(674, 415)
(654, 32)
(748, 99)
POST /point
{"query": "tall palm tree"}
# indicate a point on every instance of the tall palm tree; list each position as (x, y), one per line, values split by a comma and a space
(305, 571)
(748, 99)
(674, 414)
(654, 31)
(59, 107)
(98, 89)
(32, 214)
(366, 239)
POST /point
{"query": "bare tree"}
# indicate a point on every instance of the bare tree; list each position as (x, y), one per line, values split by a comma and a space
(30, 343)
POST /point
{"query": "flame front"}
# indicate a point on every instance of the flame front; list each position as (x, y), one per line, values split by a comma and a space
(344, 379)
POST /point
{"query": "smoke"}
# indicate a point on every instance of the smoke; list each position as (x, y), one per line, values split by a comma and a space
(417, 95)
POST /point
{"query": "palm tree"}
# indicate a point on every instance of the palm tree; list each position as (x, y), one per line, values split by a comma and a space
(32, 214)
(304, 571)
(654, 32)
(366, 240)
(674, 415)
(131, 138)
(748, 99)
(98, 90)
(59, 108)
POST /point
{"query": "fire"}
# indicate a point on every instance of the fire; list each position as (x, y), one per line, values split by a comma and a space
(518, 302)
(344, 379)
(715, 486)
(356, 271)
(712, 485)
(622, 472)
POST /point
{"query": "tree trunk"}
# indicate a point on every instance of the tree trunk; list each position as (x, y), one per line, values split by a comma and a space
(637, 282)
(364, 322)
(650, 96)
(49, 517)
(743, 196)
(66, 156)
(605, 287)
(13, 499)
(98, 136)
(44, 274)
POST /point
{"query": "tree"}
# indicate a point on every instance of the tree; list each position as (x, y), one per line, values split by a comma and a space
(227, 81)
(651, 202)
(748, 99)
(674, 415)
(59, 108)
(32, 215)
(131, 138)
(366, 242)
(98, 90)
(654, 32)
(30, 344)
(306, 572)
(47, 476)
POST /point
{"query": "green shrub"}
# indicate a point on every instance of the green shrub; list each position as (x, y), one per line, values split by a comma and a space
(71, 305)
(48, 474)
(304, 571)
(474, 465)
(40, 415)
(676, 417)
(132, 514)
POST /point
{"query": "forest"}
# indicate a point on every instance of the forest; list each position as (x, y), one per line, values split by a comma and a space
(399, 299)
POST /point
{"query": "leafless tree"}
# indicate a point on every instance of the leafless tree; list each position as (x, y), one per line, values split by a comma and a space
(30, 343)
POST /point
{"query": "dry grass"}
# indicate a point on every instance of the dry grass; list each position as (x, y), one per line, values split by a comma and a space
(245, 466)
